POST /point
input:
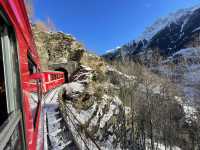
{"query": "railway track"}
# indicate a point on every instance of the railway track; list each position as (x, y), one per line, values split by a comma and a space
(59, 136)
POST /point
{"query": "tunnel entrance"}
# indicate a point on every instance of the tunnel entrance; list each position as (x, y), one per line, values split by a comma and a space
(65, 74)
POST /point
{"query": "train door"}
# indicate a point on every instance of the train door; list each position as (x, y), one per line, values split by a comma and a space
(11, 124)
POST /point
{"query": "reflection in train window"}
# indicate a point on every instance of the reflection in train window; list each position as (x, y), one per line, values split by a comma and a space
(3, 101)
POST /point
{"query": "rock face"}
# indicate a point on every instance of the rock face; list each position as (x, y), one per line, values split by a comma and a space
(57, 48)
(170, 41)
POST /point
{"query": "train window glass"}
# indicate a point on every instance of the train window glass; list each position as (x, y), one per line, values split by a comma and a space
(10, 61)
(3, 101)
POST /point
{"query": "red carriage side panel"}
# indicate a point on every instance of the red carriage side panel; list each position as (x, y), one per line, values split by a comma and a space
(16, 14)
(52, 80)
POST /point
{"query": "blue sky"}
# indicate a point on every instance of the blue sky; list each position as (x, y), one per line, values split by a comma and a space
(105, 24)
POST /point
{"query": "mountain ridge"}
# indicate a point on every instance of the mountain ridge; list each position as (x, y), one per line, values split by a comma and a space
(176, 43)
(168, 34)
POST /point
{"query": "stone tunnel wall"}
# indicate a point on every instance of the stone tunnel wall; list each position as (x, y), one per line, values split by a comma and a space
(70, 67)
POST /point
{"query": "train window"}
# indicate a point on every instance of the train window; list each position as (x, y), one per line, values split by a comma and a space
(31, 65)
(35, 98)
(3, 101)
(52, 77)
(10, 93)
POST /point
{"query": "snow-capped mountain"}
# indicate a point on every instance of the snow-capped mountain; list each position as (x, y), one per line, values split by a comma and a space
(168, 34)
(179, 17)
(176, 39)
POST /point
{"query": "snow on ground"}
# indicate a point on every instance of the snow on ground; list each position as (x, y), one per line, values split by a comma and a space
(188, 52)
(113, 50)
(94, 120)
(120, 73)
(193, 74)
(88, 74)
(86, 68)
(187, 72)
(197, 29)
(74, 87)
(112, 110)
(190, 112)
(159, 146)
(84, 115)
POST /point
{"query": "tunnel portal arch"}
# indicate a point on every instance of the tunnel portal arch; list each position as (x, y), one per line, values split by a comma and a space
(66, 75)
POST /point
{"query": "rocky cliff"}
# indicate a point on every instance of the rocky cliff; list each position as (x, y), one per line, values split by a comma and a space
(57, 48)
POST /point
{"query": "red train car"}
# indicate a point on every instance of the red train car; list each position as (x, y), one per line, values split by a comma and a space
(21, 127)
(52, 80)
(49, 81)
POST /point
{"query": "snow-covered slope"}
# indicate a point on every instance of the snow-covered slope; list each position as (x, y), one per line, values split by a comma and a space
(186, 73)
